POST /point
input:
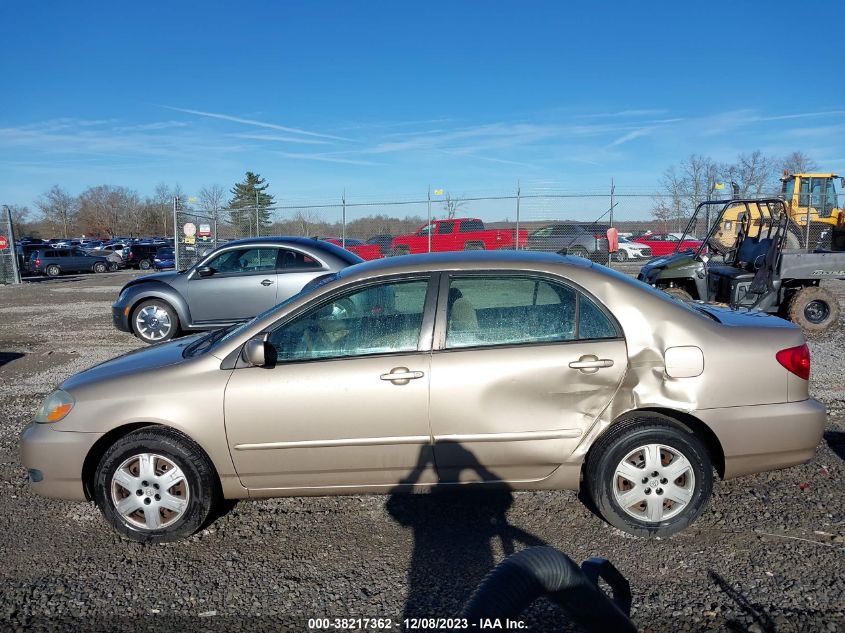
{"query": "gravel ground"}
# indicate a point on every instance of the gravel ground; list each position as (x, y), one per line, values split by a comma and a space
(767, 555)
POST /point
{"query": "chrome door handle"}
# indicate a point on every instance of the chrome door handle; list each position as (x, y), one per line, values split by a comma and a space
(591, 364)
(401, 375)
(266, 282)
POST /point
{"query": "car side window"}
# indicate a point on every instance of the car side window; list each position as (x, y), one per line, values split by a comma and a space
(294, 260)
(445, 228)
(484, 311)
(378, 319)
(508, 310)
(592, 322)
(245, 260)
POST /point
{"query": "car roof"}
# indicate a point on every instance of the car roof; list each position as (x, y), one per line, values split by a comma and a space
(469, 260)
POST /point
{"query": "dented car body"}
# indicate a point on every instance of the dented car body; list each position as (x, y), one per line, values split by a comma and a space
(525, 370)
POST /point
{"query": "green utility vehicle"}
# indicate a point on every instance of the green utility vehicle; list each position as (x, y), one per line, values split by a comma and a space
(757, 271)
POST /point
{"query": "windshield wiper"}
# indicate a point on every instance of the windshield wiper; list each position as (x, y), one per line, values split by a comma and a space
(208, 340)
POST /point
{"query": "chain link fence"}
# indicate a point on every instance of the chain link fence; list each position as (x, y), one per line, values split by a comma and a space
(9, 264)
(522, 218)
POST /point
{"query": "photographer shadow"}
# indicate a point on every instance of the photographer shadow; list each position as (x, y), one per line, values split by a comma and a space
(454, 533)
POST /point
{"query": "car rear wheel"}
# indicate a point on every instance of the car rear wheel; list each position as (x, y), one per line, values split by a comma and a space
(100, 267)
(155, 485)
(815, 309)
(578, 251)
(53, 271)
(648, 477)
(113, 267)
(145, 264)
(154, 321)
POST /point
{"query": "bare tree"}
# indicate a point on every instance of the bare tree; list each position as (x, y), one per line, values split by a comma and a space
(306, 220)
(108, 211)
(451, 205)
(211, 201)
(20, 218)
(59, 210)
(754, 173)
(798, 163)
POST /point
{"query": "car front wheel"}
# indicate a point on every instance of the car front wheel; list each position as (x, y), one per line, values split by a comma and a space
(155, 485)
(154, 321)
(648, 477)
(621, 256)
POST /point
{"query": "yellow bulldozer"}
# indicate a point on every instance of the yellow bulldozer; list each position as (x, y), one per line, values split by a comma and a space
(812, 204)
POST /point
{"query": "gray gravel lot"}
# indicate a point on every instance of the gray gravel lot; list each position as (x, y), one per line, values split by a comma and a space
(767, 555)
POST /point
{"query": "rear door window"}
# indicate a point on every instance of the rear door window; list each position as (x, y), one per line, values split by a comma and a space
(509, 310)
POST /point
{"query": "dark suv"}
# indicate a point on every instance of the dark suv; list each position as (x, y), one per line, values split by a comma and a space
(55, 261)
(571, 239)
(141, 255)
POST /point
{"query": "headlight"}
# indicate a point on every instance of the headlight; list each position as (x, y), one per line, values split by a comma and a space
(55, 407)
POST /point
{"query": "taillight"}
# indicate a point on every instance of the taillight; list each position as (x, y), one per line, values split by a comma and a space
(131, 255)
(37, 262)
(796, 360)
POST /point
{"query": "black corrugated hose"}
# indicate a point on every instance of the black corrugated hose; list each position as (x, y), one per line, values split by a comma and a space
(544, 571)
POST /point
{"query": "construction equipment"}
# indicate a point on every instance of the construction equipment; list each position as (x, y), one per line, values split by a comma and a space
(757, 270)
(813, 210)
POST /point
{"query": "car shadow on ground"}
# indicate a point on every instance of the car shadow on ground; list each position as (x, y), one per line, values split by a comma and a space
(8, 357)
(836, 442)
(457, 537)
(753, 611)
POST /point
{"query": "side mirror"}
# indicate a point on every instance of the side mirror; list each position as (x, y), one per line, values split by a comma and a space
(205, 271)
(253, 352)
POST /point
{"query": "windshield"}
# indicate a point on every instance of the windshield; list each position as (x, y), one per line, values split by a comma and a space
(214, 339)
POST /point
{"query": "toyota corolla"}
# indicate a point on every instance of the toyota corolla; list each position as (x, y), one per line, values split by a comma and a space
(454, 370)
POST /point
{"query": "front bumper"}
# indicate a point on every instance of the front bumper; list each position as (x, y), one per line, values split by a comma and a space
(55, 458)
(120, 318)
(766, 437)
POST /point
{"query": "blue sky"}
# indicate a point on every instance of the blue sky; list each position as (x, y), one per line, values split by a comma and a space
(385, 98)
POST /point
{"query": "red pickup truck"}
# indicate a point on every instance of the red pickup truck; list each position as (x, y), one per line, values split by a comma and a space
(461, 234)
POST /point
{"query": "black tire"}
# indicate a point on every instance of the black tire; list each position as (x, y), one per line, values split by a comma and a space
(578, 251)
(792, 241)
(625, 437)
(621, 256)
(100, 267)
(149, 334)
(400, 250)
(474, 246)
(814, 309)
(53, 270)
(113, 267)
(145, 264)
(202, 492)
(678, 293)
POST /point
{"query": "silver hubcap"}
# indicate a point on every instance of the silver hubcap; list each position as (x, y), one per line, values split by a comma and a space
(653, 483)
(149, 491)
(153, 323)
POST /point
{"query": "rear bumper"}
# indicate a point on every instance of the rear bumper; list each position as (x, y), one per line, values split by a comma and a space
(55, 459)
(766, 437)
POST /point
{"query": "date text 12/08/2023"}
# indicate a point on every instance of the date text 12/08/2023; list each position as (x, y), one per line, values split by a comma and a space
(414, 624)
